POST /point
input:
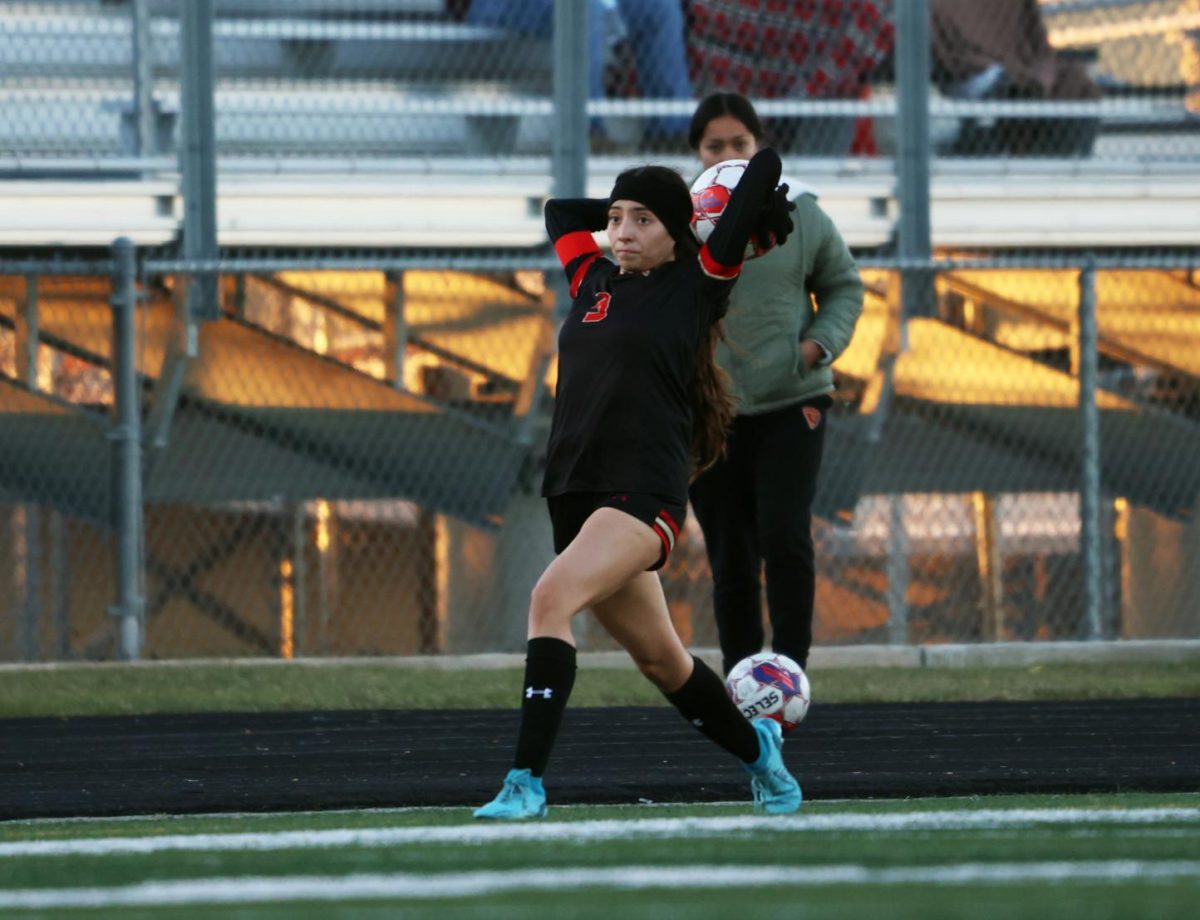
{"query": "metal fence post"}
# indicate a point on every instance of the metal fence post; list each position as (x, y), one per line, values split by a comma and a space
(913, 245)
(143, 100)
(1089, 485)
(27, 518)
(395, 329)
(126, 436)
(199, 154)
(896, 569)
(198, 169)
(570, 98)
(913, 153)
(570, 151)
(60, 578)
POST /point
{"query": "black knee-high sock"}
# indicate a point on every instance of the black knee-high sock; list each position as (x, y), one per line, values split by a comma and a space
(549, 677)
(702, 700)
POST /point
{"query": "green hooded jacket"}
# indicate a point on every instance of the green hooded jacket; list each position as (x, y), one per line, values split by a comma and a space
(772, 309)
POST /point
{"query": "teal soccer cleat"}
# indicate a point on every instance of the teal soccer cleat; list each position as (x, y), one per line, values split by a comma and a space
(522, 796)
(776, 791)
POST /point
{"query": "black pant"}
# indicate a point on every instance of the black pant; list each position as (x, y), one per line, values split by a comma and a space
(755, 508)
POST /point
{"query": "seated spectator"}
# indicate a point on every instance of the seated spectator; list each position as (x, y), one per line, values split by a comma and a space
(999, 49)
(654, 29)
(805, 49)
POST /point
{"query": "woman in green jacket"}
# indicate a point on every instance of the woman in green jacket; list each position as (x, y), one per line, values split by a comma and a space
(790, 316)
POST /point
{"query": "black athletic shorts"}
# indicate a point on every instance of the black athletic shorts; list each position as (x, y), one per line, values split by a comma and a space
(570, 510)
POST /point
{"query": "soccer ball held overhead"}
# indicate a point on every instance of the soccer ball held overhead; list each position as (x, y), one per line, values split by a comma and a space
(711, 192)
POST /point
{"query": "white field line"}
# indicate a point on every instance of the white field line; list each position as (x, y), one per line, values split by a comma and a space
(165, 817)
(324, 813)
(593, 831)
(252, 889)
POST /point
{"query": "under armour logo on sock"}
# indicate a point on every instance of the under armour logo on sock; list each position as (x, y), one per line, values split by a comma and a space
(530, 693)
(699, 723)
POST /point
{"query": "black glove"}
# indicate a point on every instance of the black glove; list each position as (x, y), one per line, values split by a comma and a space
(775, 220)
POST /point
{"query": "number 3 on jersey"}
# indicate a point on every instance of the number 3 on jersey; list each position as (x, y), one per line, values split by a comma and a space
(599, 308)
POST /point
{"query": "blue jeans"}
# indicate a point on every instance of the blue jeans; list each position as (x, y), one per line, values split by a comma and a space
(655, 29)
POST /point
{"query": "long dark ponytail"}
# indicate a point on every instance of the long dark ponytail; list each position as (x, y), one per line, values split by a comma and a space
(711, 402)
(712, 405)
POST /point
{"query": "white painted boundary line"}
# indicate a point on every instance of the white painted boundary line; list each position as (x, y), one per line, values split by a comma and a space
(594, 831)
(164, 817)
(253, 889)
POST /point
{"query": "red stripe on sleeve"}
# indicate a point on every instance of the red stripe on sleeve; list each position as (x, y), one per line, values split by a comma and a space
(577, 279)
(572, 245)
(715, 269)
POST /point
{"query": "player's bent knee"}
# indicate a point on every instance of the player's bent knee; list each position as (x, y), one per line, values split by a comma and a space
(667, 672)
(549, 604)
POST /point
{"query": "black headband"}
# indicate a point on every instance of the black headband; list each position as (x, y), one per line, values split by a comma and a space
(673, 206)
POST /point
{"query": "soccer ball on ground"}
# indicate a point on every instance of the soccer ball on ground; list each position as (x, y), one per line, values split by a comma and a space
(710, 194)
(770, 685)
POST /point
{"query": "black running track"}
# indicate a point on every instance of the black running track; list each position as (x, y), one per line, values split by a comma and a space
(319, 760)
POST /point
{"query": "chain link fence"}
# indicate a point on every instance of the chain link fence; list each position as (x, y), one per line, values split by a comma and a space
(352, 466)
(345, 459)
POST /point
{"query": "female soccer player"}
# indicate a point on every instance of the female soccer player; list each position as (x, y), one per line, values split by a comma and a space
(755, 504)
(639, 405)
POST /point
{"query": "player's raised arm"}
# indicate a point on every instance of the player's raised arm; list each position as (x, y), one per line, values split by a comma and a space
(750, 207)
(570, 223)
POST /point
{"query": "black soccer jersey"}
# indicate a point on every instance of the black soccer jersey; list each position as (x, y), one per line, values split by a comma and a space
(627, 352)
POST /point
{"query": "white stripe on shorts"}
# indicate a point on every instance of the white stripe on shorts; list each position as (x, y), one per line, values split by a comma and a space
(665, 529)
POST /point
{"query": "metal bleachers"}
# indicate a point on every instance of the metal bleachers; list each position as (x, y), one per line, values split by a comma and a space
(300, 425)
(369, 79)
(957, 411)
(393, 124)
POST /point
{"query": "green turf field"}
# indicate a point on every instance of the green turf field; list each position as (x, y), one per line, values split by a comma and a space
(257, 686)
(1117, 856)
